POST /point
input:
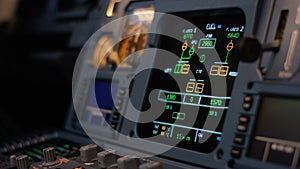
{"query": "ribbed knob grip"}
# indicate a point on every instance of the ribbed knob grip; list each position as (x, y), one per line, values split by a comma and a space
(49, 154)
(22, 162)
(50, 157)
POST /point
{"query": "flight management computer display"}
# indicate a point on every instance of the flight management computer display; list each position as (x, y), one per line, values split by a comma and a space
(194, 116)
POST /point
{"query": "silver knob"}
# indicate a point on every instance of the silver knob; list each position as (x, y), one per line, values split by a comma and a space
(50, 157)
(22, 162)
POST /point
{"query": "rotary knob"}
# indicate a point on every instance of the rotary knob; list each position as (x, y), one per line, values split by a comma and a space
(22, 162)
(50, 157)
(249, 49)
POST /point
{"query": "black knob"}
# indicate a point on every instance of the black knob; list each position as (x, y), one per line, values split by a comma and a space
(50, 157)
(22, 162)
(248, 49)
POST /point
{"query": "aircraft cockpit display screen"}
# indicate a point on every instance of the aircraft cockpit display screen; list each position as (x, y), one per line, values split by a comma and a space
(276, 137)
(206, 64)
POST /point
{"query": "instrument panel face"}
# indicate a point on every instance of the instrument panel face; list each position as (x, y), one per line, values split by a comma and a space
(218, 111)
(201, 115)
(206, 64)
(276, 138)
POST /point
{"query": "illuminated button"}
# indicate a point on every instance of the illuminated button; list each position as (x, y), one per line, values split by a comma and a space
(239, 139)
(236, 152)
(248, 99)
(244, 119)
(118, 107)
(119, 101)
(242, 128)
(122, 92)
(116, 116)
(113, 125)
(119, 104)
(247, 102)
(247, 106)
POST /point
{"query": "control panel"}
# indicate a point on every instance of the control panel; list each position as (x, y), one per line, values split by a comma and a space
(175, 84)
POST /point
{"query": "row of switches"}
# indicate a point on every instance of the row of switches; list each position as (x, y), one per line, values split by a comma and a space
(89, 153)
(108, 159)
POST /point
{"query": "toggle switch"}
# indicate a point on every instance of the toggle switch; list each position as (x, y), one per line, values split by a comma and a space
(106, 158)
(128, 162)
(88, 153)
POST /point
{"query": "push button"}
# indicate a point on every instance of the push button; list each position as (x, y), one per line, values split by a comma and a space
(122, 92)
(119, 101)
(236, 152)
(239, 139)
(113, 125)
(242, 128)
(248, 99)
(119, 104)
(243, 123)
(247, 102)
(247, 106)
(244, 119)
(118, 107)
(116, 116)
